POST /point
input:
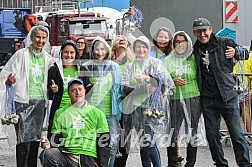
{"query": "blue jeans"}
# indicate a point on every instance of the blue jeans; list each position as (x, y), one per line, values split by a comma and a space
(212, 109)
(148, 148)
(150, 153)
(114, 138)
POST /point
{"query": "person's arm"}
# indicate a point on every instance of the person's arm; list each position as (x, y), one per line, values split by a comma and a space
(52, 87)
(83, 75)
(45, 144)
(102, 139)
(103, 149)
(11, 79)
(138, 89)
(128, 88)
(144, 82)
(130, 37)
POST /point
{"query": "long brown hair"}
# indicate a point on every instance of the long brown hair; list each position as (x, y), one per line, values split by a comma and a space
(169, 47)
(86, 45)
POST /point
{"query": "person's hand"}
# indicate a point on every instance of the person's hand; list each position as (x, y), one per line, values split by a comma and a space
(142, 78)
(11, 79)
(179, 81)
(131, 10)
(90, 85)
(230, 52)
(54, 87)
(45, 144)
(151, 88)
(232, 74)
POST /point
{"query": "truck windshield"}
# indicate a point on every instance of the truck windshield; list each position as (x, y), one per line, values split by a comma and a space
(88, 27)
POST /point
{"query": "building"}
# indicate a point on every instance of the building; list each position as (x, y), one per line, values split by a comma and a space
(33, 4)
(182, 13)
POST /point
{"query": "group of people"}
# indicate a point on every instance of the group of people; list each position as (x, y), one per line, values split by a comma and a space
(104, 98)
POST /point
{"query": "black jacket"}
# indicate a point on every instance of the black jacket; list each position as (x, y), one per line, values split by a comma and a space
(54, 74)
(221, 66)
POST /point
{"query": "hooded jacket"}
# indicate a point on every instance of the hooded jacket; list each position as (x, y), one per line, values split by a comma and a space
(27, 41)
(183, 66)
(95, 67)
(221, 66)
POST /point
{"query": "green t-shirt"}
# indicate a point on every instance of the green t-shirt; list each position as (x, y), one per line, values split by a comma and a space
(139, 99)
(122, 66)
(69, 74)
(101, 93)
(185, 69)
(79, 127)
(36, 76)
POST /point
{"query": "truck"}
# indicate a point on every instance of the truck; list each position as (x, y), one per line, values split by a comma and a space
(66, 22)
(73, 26)
(10, 35)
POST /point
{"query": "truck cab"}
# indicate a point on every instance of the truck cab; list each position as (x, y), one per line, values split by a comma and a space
(72, 26)
(88, 27)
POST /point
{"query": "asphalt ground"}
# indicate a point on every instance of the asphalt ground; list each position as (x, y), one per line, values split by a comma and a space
(7, 155)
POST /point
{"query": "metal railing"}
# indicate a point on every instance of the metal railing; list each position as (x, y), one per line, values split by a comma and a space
(245, 106)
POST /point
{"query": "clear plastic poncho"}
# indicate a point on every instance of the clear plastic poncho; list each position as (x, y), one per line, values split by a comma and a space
(186, 119)
(146, 113)
(31, 117)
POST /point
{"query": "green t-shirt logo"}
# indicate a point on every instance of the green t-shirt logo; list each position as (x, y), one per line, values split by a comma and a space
(78, 123)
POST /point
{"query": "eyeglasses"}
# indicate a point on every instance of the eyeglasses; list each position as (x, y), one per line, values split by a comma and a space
(180, 42)
(83, 43)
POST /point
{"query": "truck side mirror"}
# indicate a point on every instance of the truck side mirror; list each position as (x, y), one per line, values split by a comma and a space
(62, 28)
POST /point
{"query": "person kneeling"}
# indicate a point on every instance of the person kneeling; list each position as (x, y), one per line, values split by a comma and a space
(80, 134)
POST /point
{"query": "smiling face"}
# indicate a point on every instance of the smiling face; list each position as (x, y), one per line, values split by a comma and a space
(39, 39)
(76, 92)
(181, 45)
(100, 51)
(203, 35)
(68, 55)
(141, 50)
(162, 39)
